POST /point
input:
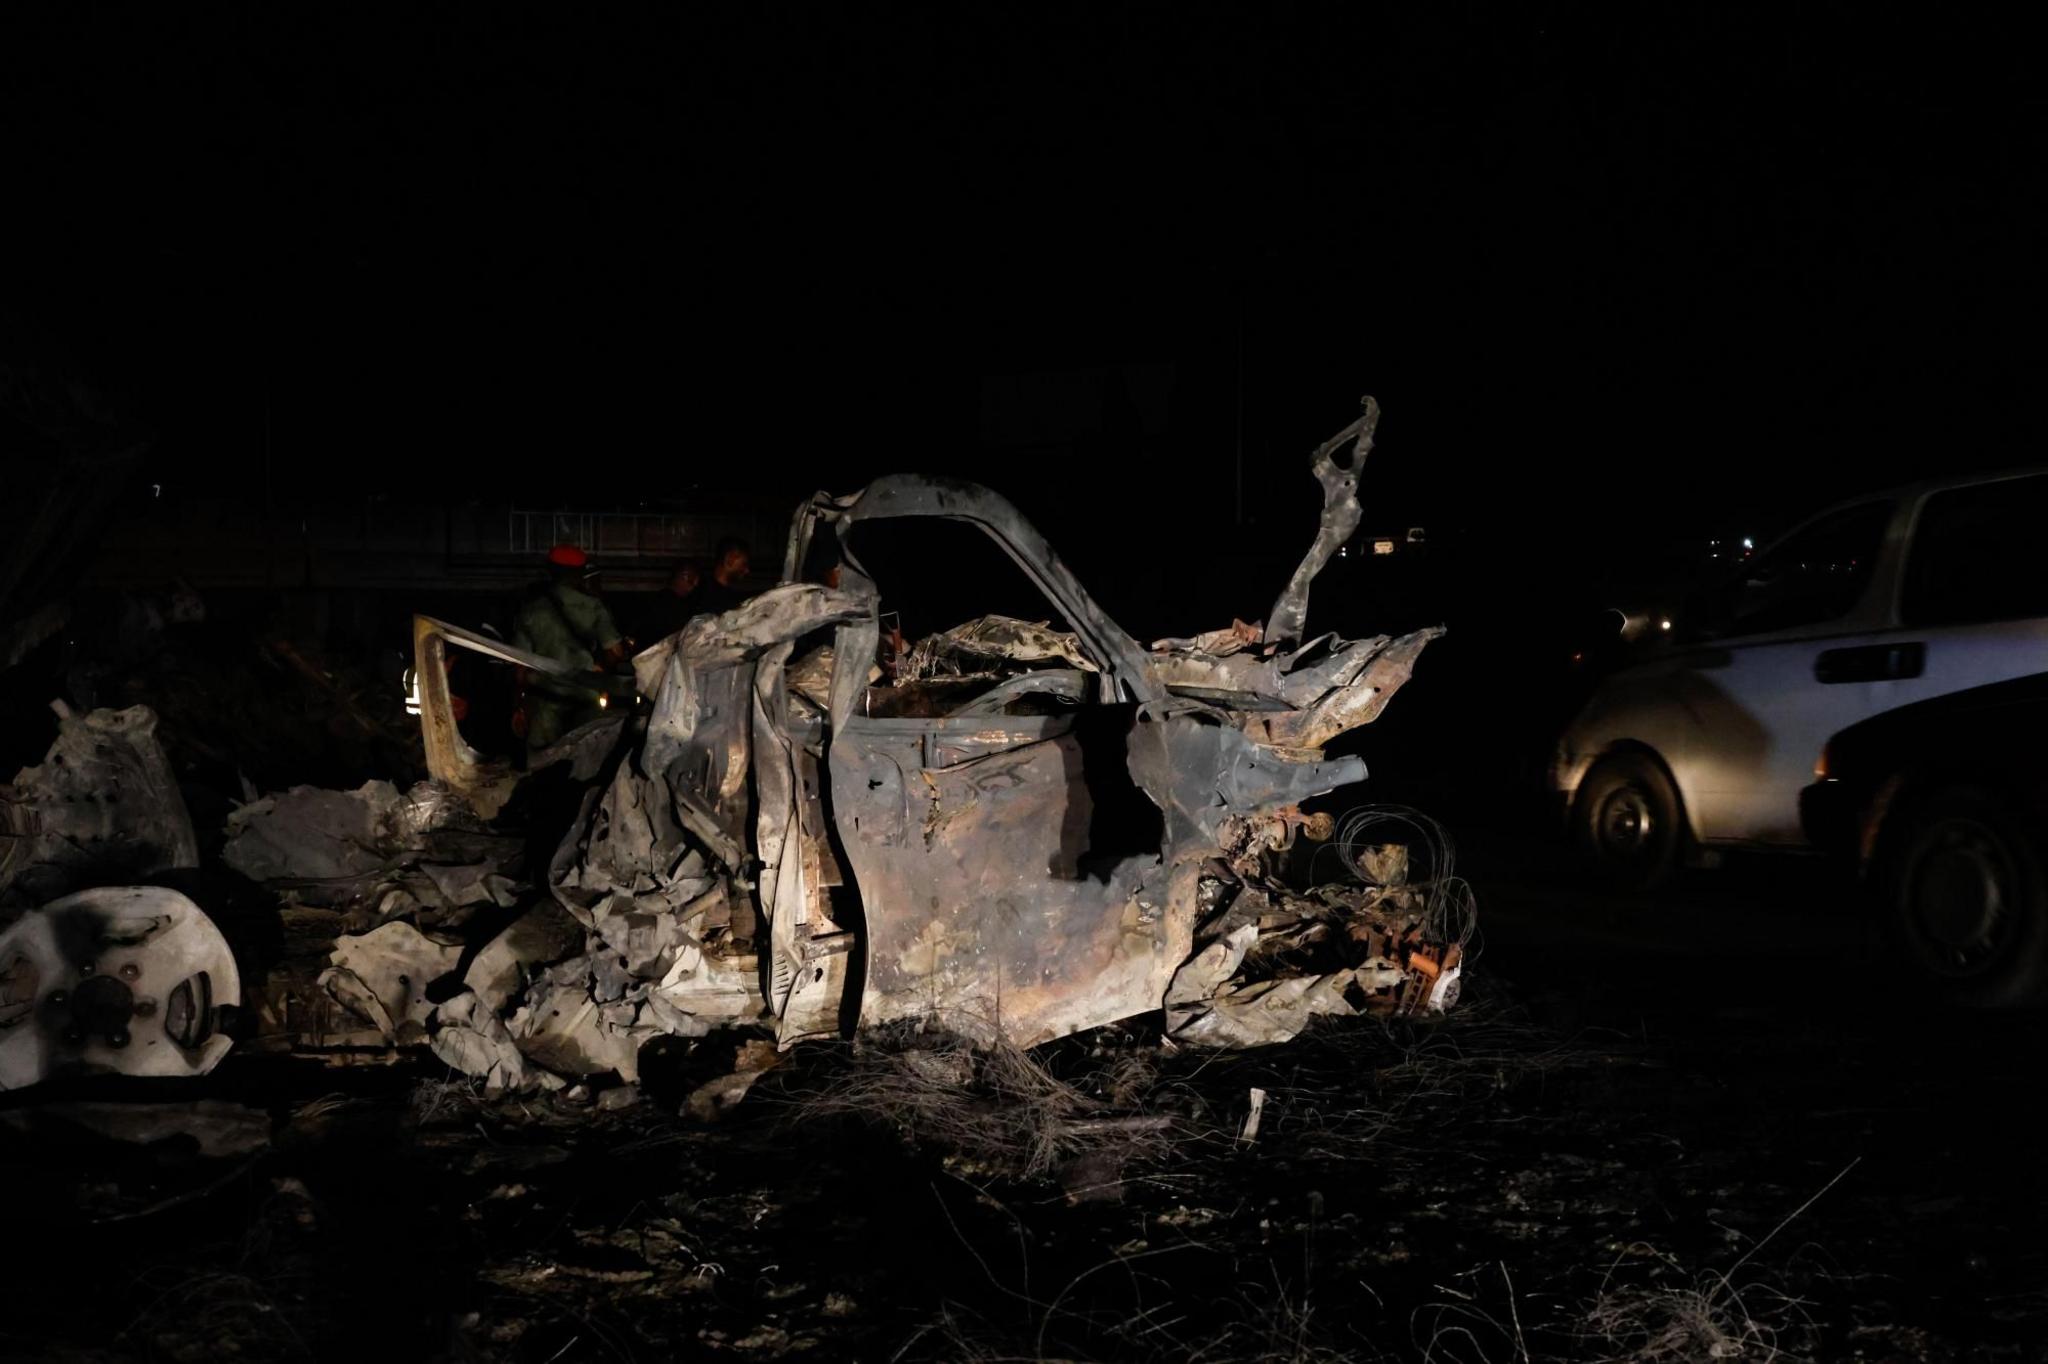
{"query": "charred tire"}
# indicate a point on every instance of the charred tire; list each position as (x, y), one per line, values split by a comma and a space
(1627, 821)
(1962, 890)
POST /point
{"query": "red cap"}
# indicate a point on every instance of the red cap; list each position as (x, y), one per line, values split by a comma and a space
(567, 556)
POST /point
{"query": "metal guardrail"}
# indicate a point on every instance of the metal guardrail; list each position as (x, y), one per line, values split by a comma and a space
(363, 542)
(655, 535)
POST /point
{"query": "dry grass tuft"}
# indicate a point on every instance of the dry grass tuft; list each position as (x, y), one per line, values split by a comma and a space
(1694, 1320)
(215, 1313)
(1701, 1318)
(1422, 1073)
(445, 1099)
(1263, 1326)
(995, 1105)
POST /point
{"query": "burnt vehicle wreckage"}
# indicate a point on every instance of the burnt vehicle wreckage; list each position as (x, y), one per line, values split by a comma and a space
(1016, 833)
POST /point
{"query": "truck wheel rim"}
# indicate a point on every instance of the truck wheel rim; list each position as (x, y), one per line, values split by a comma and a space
(1961, 897)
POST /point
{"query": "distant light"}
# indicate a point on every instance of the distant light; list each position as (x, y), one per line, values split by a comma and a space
(156, 490)
(1664, 624)
(1748, 543)
(1383, 546)
(603, 700)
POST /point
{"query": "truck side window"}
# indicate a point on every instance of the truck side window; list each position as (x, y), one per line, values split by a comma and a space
(1817, 575)
(1976, 555)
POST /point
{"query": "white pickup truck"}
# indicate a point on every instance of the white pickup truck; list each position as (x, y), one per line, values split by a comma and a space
(1876, 603)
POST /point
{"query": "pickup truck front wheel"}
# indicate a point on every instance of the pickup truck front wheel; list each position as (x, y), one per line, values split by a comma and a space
(1627, 822)
(1963, 889)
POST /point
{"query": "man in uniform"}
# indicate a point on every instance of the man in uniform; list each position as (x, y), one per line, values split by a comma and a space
(562, 621)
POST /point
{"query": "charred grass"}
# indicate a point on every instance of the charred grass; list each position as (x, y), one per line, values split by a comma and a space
(1480, 1189)
(994, 1109)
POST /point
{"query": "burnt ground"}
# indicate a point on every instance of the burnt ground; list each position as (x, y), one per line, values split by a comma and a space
(1706, 1126)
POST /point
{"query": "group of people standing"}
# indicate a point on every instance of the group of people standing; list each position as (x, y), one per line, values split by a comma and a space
(566, 619)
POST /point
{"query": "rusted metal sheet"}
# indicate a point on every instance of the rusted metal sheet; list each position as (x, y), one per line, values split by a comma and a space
(971, 849)
(1339, 479)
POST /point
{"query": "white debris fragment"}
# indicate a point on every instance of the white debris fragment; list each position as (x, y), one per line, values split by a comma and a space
(1250, 1132)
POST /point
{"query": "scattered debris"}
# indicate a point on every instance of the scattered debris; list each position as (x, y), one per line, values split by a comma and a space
(543, 935)
(711, 1100)
(213, 1129)
(1042, 830)
(376, 852)
(1249, 1133)
(1273, 959)
(981, 647)
(102, 809)
(471, 1038)
(997, 1108)
(1022, 831)
(382, 977)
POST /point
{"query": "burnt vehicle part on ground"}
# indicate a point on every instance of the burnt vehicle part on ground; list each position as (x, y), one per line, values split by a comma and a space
(376, 852)
(1023, 832)
(103, 806)
(99, 977)
(132, 980)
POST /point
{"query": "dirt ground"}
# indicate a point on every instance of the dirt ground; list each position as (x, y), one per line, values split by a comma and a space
(1700, 1128)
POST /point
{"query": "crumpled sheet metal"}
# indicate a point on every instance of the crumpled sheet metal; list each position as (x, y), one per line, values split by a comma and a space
(472, 1039)
(382, 977)
(967, 922)
(977, 905)
(1006, 877)
(1335, 951)
(1233, 638)
(989, 638)
(319, 838)
(1301, 698)
(674, 819)
(1339, 480)
(123, 979)
(658, 870)
(103, 808)
(540, 937)
(421, 853)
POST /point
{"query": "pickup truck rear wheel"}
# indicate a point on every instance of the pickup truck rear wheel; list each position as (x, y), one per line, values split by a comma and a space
(1627, 821)
(1964, 893)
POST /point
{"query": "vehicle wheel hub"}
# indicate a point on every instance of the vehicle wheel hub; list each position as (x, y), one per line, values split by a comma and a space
(1627, 823)
(1962, 896)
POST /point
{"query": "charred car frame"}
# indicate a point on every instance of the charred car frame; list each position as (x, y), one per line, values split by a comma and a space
(1059, 829)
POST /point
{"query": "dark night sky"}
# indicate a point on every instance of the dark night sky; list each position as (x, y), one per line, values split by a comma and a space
(1609, 271)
